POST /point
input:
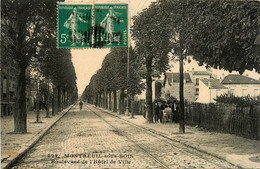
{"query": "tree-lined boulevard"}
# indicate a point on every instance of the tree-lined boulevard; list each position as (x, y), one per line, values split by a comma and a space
(101, 140)
(216, 34)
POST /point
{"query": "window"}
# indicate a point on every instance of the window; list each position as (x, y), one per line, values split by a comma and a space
(197, 91)
(197, 81)
(244, 92)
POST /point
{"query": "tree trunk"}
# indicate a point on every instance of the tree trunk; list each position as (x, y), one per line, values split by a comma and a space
(149, 106)
(110, 102)
(132, 106)
(59, 99)
(106, 100)
(96, 100)
(53, 106)
(68, 99)
(181, 109)
(55, 101)
(99, 100)
(20, 116)
(47, 102)
(38, 116)
(62, 99)
(47, 106)
(115, 101)
(121, 103)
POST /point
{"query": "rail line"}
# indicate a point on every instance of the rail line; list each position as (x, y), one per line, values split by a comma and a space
(137, 145)
(172, 142)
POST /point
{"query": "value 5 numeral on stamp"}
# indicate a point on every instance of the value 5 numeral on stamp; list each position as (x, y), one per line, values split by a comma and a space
(80, 27)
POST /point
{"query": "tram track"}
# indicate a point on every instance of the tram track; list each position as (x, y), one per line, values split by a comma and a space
(137, 145)
(176, 144)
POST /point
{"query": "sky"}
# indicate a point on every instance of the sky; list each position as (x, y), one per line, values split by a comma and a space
(88, 61)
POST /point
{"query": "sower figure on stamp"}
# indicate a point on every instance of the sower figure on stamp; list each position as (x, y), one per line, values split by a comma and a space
(108, 24)
(72, 24)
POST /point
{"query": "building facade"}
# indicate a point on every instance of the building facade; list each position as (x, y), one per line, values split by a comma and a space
(196, 76)
(241, 85)
(9, 72)
(172, 86)
(210, 89)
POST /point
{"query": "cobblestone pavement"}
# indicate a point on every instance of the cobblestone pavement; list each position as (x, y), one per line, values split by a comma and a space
(91, 138)
(12, 143)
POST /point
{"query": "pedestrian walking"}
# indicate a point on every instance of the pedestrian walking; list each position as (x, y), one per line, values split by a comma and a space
(162, 107)
(80, 105)
(144, 112)
(156, 112)
(174, 108)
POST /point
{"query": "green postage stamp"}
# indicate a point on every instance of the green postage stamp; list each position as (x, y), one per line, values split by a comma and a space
(74, 26)
(81, 27)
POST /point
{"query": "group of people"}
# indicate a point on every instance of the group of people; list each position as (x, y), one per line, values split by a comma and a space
(164, 112)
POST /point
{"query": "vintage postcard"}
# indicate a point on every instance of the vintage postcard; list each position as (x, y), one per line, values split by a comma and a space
(130, 84)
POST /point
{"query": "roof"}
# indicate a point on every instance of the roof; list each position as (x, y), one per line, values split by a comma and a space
(201, 73)
(214, 83)
(239, 79)
(175, 77)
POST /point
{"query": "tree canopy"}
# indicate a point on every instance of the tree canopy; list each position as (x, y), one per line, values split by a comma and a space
(221, 34)
(29, 35)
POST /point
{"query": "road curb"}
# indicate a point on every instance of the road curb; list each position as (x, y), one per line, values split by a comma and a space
(25, 148)
(174, 139)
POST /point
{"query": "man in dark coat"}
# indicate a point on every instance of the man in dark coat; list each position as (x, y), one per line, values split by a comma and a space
(156, 112)
(174, 111)
(162, 107)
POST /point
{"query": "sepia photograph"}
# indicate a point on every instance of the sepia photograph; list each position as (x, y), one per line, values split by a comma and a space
(130, 84)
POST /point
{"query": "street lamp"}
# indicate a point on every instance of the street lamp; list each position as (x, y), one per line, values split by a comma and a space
(128, 62)
(127, 91)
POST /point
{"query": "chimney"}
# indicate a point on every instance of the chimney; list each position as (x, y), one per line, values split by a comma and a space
(209, 84)
(220, 79)
(223, 76)
(209, 69)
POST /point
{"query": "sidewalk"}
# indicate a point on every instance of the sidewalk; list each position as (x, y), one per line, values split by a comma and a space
(237, 150)
(13, 146)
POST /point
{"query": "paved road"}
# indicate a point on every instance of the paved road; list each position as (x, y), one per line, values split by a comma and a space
(92, 138)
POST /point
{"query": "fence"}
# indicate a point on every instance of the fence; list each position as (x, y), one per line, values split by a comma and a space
(240, 120)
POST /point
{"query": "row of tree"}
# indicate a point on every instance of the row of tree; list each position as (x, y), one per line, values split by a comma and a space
(220, 34)
(112, 77)
(29, 37)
